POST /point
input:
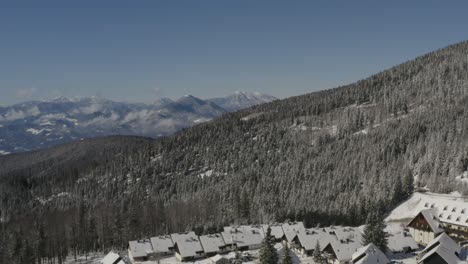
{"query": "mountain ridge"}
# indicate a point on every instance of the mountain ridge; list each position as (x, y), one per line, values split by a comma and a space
(40, 124)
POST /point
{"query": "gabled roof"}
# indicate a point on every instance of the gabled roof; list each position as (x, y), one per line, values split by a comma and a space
(443, 246)
(346, 241)
(187, 243)
(112, 258)
(212, 243)
(243, 236)
(310, 237)
(276, 230)
(369, 254)
(432, 220)
(399, 242)
(140, 248)
(162, 244)
(291, 230)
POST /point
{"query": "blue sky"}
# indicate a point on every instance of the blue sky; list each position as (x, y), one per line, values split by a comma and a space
(140, 50)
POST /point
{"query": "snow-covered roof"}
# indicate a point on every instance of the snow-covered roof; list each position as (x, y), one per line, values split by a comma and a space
(443, 246)
(187, 243)
(112, 258)
(162, 244)
(448, 208)
(432, 220)
(344, 241)
(309, 238)
(243, 236)
(140, 248)
(291, 229)
(212, 243)
(399, 242)
(276, 230)
(369, 254)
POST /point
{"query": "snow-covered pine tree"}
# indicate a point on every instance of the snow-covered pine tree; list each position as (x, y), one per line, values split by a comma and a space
(374, 231)
(287, 255)
(268, 253)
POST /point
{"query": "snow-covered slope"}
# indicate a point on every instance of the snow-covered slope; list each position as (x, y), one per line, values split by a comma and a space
(41, 124)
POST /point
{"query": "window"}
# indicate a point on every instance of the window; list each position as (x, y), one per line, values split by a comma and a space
(445, 208)
(454, 210)
(426, 205)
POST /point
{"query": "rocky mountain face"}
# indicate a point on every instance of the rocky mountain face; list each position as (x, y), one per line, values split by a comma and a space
(329, 157)
(42, 124)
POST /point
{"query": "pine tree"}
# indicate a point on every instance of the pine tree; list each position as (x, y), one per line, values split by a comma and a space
(287, 255)
(374, 231)
(268, 253)
(317, 255)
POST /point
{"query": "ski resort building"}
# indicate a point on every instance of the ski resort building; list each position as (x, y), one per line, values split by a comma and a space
(442, 250)
(162, 245)
(425, 226)
(243, 237)
(432, 214)
(213, 244)
(343, 243)
(291, 230)
(369, 254)
(141, 250)
(187, 246)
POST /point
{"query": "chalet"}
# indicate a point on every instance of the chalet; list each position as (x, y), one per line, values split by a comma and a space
(187, 246)
(162, 245)
(141, 250)
(291, 229)
(243, 237)
(213, 244)
(425, 226)
(441, 250)
(369, 254)
(112, 258)
(276, 231)
(344, 242)
(306, 241)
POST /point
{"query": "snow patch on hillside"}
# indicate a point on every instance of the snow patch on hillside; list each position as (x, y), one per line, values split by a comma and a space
(2, 152)
(207, 173)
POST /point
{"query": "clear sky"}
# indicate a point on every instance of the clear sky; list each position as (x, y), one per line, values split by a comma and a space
(141, 50)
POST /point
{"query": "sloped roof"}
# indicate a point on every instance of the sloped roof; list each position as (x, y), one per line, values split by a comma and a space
(112, 258)
(448, 208)
(212, 243)
(291, 229)
(345, 241)
(140, 248)
(310, 237)
(432, 220)
(162, 243)
(276, 230)
(398, 242)
(445, 247)
(187, 243)
(243, 236)
(369, 254)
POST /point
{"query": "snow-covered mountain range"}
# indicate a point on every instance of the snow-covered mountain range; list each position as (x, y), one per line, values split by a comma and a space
(40, 124)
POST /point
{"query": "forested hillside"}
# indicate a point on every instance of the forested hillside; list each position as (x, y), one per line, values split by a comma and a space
(326, 157)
